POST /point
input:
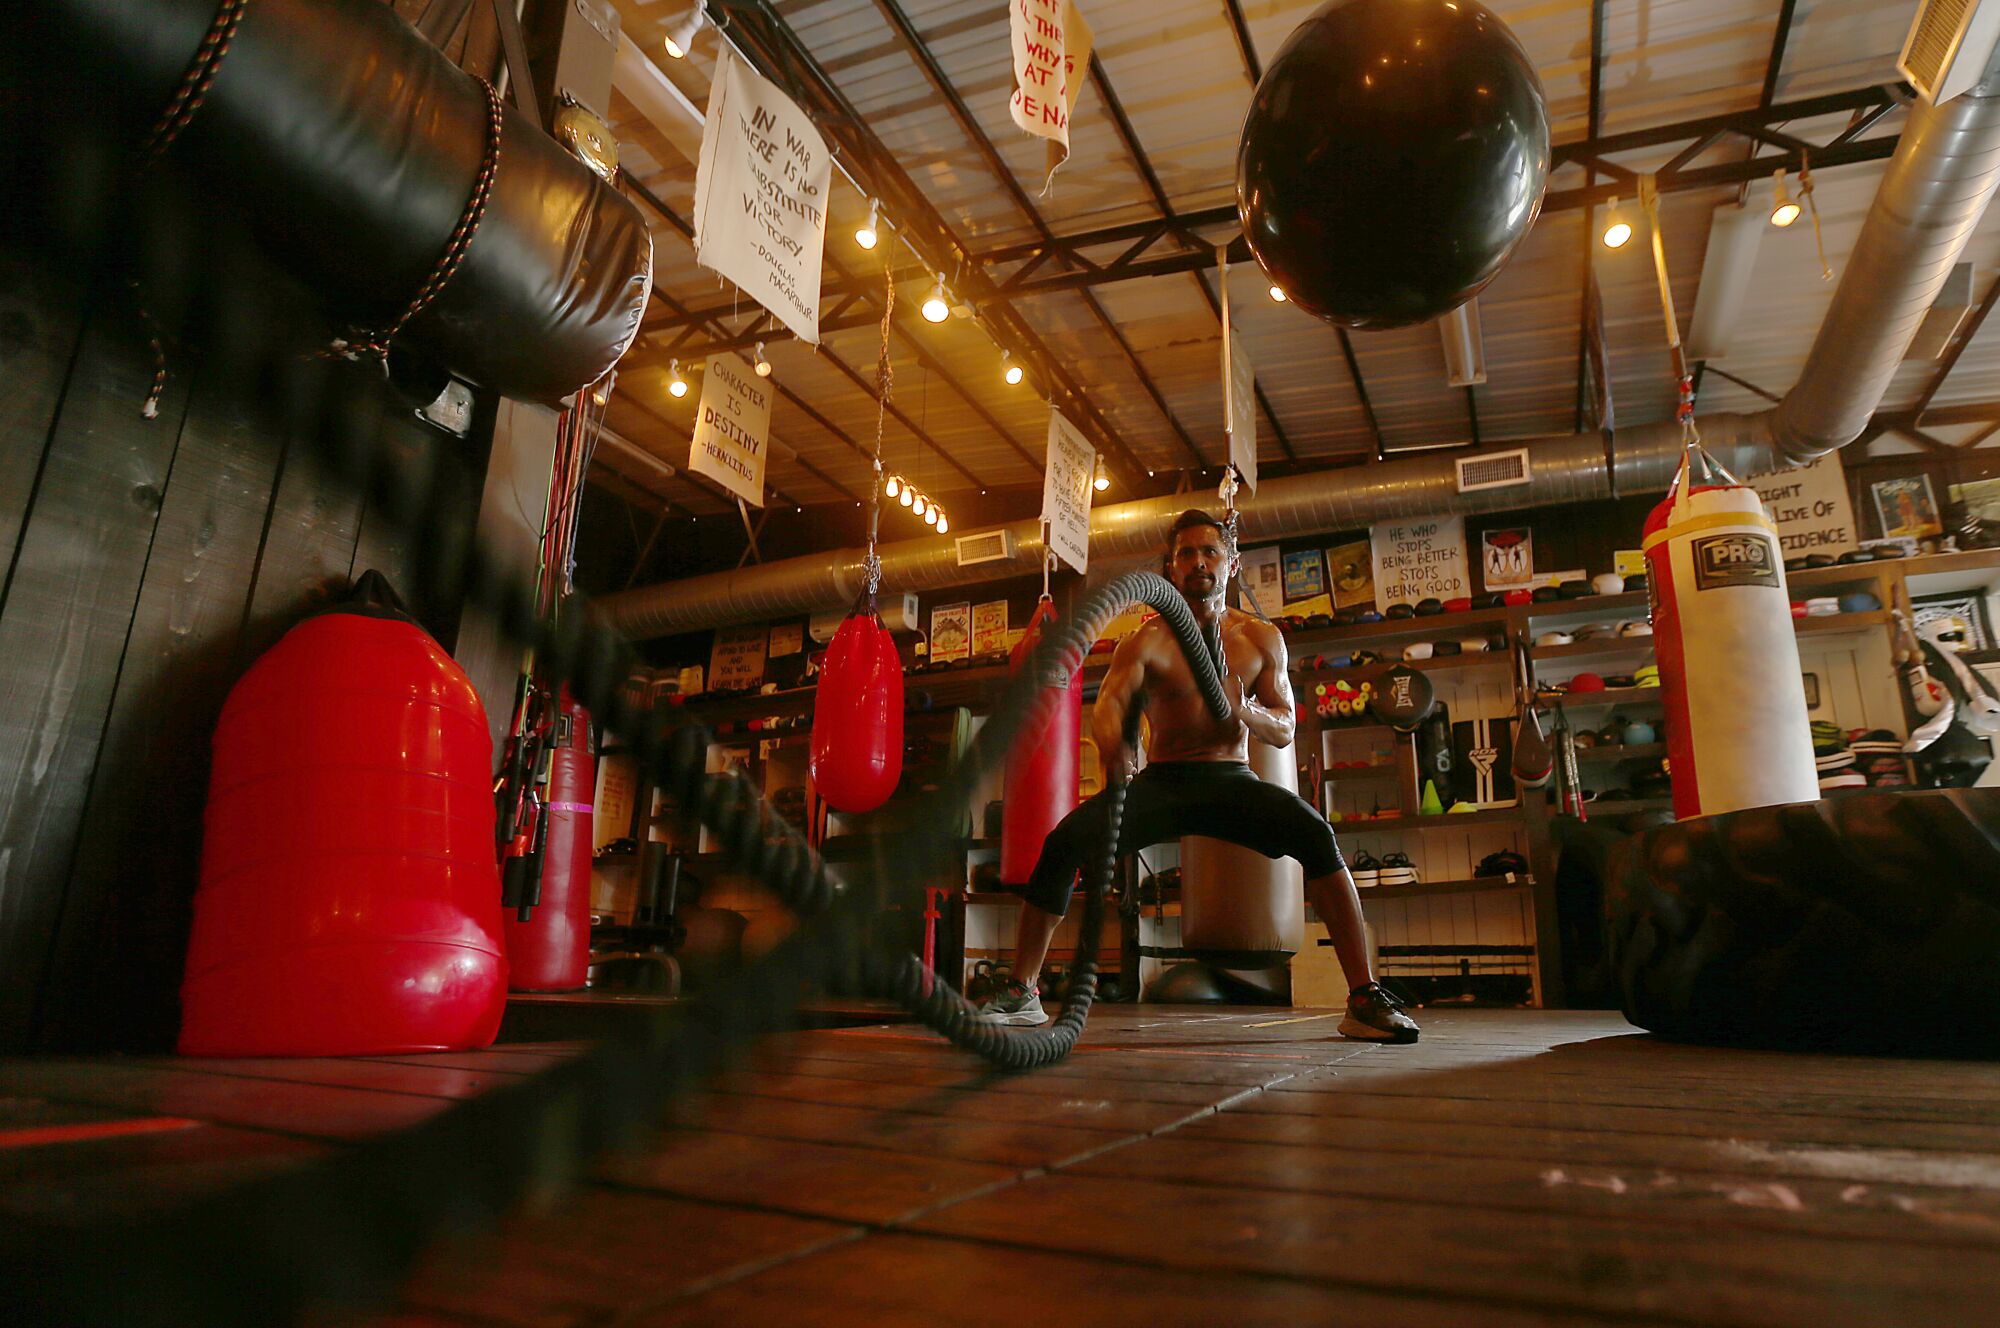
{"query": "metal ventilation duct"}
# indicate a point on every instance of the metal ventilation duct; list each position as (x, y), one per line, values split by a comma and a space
(1944, 173)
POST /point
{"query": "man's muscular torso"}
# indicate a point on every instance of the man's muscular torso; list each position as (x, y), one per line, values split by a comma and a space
(1181, 726)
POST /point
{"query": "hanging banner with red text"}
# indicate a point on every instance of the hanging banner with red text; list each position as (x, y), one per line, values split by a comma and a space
(732, 427)
(760, 195)
(1051, 49)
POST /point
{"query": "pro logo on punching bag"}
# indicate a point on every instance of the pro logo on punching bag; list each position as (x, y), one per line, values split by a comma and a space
(1734, 560)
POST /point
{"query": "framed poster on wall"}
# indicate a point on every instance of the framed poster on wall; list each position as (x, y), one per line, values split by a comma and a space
(1907, 507)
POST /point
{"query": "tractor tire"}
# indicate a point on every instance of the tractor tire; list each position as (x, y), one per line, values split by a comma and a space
(1869, 922)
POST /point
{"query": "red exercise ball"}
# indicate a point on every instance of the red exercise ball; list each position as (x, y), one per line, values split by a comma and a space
(349, 902)
(1394, 155)
(857, 733)
(1041, 767)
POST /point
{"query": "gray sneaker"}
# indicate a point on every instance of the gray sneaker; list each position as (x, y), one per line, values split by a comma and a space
(1375, 1014)
(1015, 1005)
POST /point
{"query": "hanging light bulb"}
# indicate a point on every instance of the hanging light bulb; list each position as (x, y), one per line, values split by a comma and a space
(763, 365)
(866, 236)
(937, 307)
(1617, 230)
(921, 506)
(1278, 293)
(1101, 480)
(1783, 210)
(909, 495)
(1008, 369)
(892, 486)
(677, 385)
(944, 524)
(680, 38)
(931, 517)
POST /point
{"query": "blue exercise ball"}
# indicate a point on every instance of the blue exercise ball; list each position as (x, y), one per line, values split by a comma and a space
(1394, 155)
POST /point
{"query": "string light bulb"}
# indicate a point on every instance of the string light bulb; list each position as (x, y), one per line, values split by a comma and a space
(937, 307)
(892, 486)
(944, 523)
(1278, 293)
(1010, 370)
(931, 518)
(1617, 230)
(866, 237)
(909, 495)
(921, 506)
(763, 365)
(677, 385)
(680, 37)
(1784, 211)
(1100, 480)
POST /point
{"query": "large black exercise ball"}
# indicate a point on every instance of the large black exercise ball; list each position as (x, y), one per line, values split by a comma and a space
(1395, 153)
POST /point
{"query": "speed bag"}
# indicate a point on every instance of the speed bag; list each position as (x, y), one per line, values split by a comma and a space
(349, 901)
(1738, 734)
(1234, 900)
(1041, 767)
(857, 732)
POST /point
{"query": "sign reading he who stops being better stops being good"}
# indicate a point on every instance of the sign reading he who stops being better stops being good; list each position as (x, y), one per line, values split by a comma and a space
(1419, 560)
(732, 427)
(760, 195)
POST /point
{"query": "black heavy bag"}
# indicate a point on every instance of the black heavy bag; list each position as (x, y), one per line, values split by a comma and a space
(1394, 155)
(351, 146)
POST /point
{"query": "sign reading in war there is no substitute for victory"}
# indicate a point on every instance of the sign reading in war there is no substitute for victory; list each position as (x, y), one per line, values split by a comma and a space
(732, 427)
(1051, 44)
(1066, 492)
(760, 196)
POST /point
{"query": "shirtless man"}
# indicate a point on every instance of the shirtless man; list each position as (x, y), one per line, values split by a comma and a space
(1198, 781)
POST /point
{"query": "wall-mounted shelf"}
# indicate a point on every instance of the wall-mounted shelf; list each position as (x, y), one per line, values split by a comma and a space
(1609, 753)
(1430, 824)
(1610, 696)
(1431, 889)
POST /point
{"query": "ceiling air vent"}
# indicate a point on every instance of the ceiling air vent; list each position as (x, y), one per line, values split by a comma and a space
(1493, 470)
(1949, 45)
(988, 546)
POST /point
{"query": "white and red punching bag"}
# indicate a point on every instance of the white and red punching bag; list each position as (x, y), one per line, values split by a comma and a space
(1738, 734)
(1041, 767)
(857, 732)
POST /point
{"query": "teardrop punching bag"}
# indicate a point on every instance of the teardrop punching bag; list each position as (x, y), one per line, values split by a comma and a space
(349, 903)
(1041, 767)
(1738, 734)
(857, 732)
(1394, 155)
(551, 950)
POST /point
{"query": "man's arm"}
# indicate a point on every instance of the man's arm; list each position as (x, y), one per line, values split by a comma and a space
(1270, 713)
(1121, 683)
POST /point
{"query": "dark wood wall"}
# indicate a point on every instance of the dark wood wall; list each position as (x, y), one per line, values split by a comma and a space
(147, 564)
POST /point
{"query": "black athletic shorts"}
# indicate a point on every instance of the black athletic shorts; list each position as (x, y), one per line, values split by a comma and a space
(1168, 799)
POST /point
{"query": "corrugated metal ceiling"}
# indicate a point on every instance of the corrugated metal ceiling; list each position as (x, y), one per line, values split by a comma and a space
(1176, 69)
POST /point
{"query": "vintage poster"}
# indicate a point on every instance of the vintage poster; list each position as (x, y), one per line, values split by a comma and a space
(787, 639)
(1261, 580)
(989, 627)
(1907, 507)
(1507, 557)
(1351, 570)
(951, 632)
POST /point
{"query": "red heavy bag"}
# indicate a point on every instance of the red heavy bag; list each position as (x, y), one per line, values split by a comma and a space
(551, 950)
(1738, 734)
(857, 733)
(349, 902)
(1041, 767)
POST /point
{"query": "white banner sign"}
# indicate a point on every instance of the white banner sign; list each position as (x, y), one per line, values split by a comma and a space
(760, 196)
(732, 428)
(1810, 507)
(1051, 49)
(1259, 577)
(1241, 388)
(1066, 492)
(1418, 560)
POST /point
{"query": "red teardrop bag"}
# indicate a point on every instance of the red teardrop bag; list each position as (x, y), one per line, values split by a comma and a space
(1041, 767)
(857, 734)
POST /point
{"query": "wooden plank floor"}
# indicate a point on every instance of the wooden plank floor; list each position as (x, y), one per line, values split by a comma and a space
(1186, 1166)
